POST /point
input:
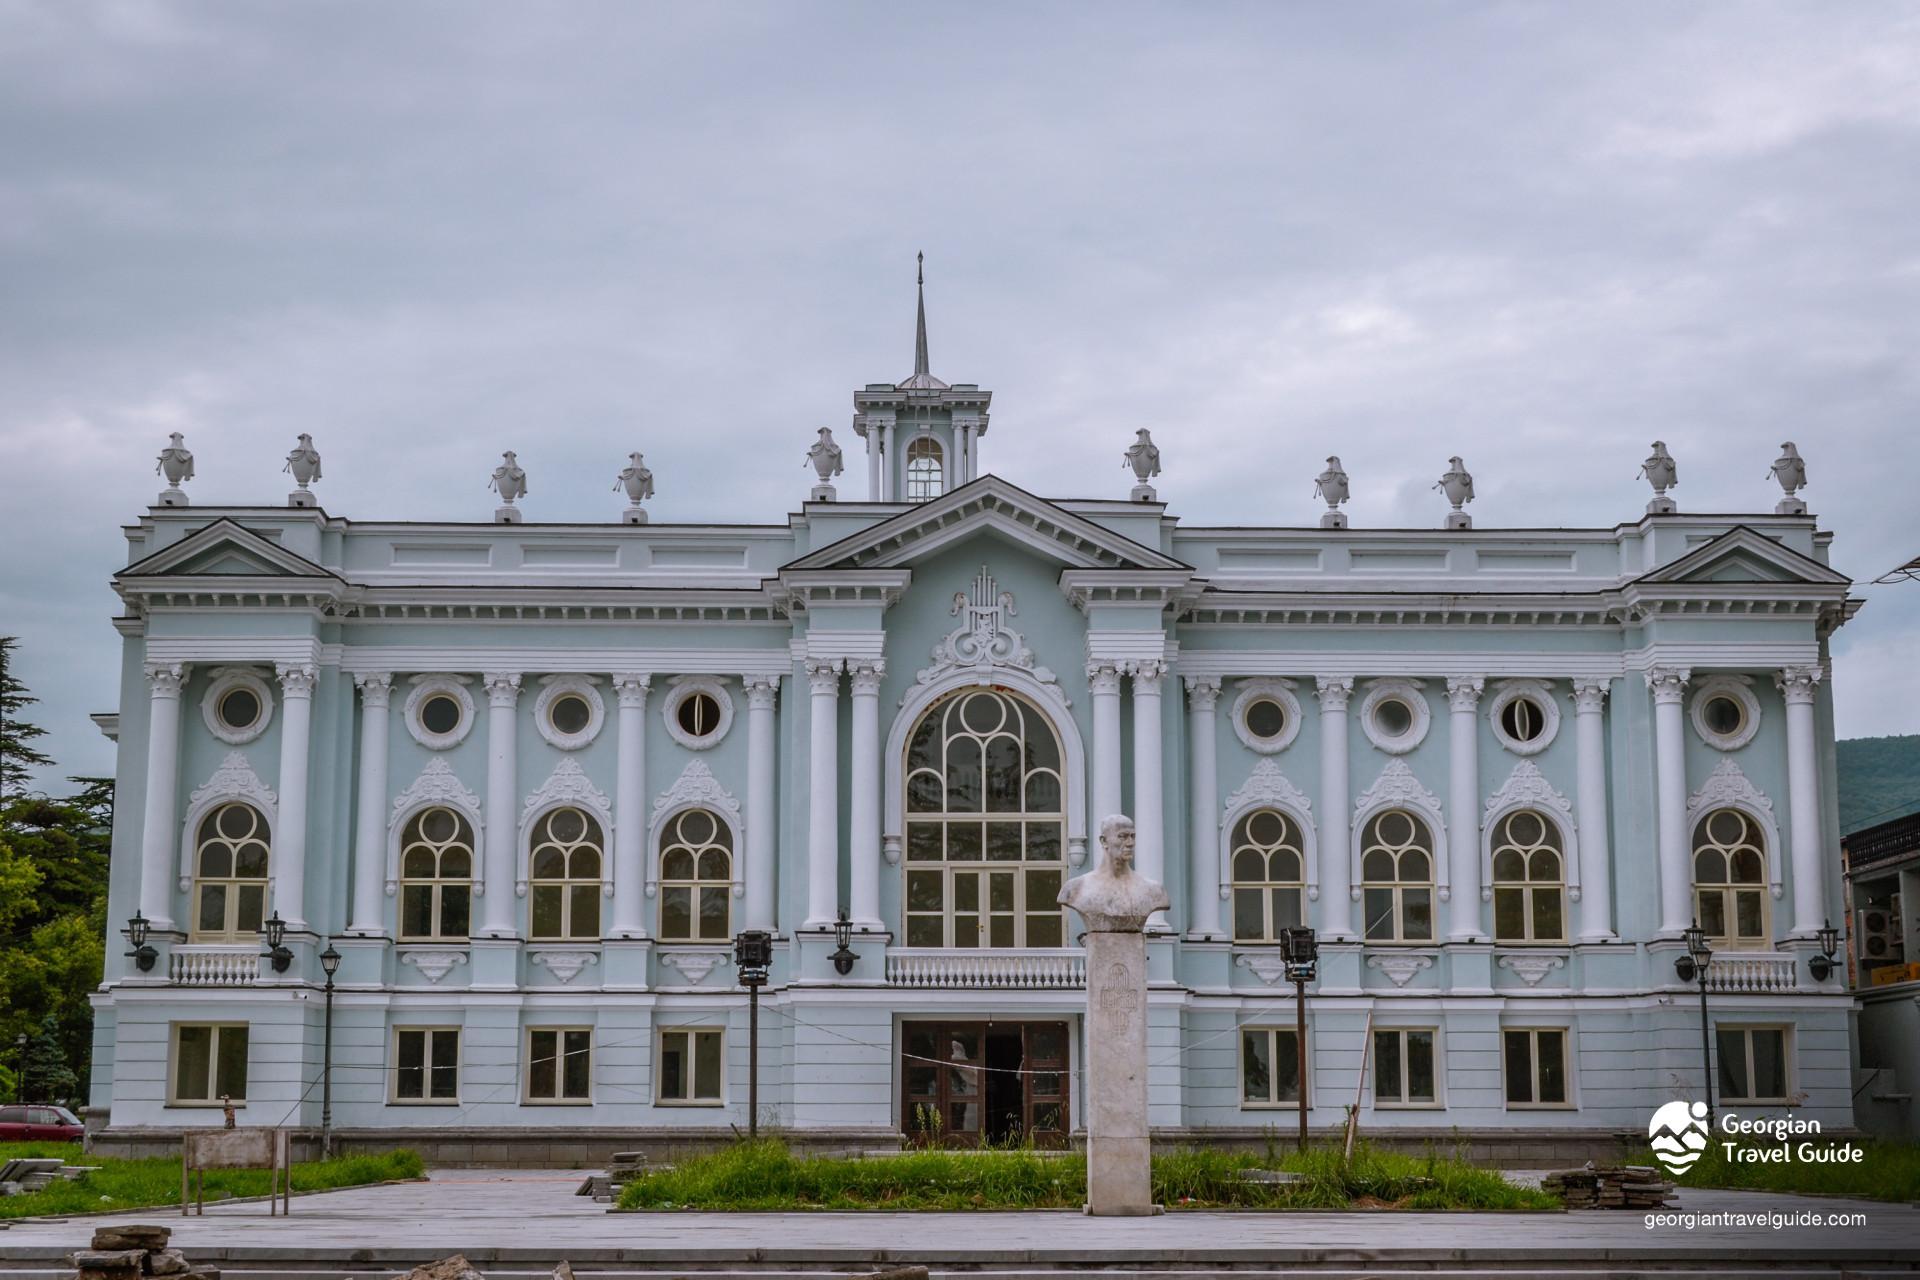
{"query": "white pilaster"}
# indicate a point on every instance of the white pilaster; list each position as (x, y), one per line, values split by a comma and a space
(1596, 870)
(289, 860)
(503, 697)
(1337, 892)
(1149, 786)
(1103, 680)
(873, 465)
(762, 694)
(163, 785)
(1463, 803)
(370, 829)
(1669, 687)
(863, 889)
(1797, 685)
(888, 483)
(630, 808)
(1203, 799)
(823, 794)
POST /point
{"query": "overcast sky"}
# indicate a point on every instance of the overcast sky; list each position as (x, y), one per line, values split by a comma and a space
(1539, 236)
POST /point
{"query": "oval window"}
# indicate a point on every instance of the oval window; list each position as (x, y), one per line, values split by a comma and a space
(1266, 718)
(1394, 717)
(698, 714)
(1724, 716)
(570, 714)
(240, 709)
(1522, 719)
(440, 714)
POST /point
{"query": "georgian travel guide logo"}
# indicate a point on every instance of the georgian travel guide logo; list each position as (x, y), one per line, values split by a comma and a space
(1678, 1134)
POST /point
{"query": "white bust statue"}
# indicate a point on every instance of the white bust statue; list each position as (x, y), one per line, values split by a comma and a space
(1114, 898)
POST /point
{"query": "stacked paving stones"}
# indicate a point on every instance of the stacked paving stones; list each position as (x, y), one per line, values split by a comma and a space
(1633, 1186)
(133, 1252)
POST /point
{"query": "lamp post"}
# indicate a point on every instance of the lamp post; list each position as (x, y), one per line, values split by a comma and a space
(753, 956)
(1302, 952)
(1821, 966)
(329, 965)
(1692, 967)
(142, 955)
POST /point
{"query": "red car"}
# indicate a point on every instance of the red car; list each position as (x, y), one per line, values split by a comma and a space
(40, 1124)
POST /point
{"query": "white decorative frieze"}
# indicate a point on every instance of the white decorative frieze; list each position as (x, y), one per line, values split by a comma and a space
(565, 965)
(1729, 788)
(233, 780)
(1268, 788)
(1530, 966)
(433, 964)
(1400, 966)
(1268, 966)
(985, 639)
(693, 965)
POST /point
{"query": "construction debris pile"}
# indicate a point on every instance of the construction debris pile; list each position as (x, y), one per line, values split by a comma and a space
(1633, 1186)
(133, 1252)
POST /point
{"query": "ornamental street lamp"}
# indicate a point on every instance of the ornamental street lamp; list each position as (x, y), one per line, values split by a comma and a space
(277, 944)
(142, 955)
(1302, 952)
(1821, 966)
(843, 934)
(753, 957)
(1692, 967)
(329, 964)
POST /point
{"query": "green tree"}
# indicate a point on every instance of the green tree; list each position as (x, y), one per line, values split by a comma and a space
(16, 734)
(19, 879)
(44, 987)
(67, 845)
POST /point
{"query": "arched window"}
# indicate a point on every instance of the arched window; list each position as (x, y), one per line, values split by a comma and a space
(230, 874)
(1529, 882)
(1396, 869)
(985, 825)
(1730, 879)
(436, 875)
(565, 884)
(1267, 863)
(696, 878)
(924, 469)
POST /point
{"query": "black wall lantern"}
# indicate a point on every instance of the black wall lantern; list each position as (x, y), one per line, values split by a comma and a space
(1821, 966)
(843, 934)
(277, 944)
(143, 954)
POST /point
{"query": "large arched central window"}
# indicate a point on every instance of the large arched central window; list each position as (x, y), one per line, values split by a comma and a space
(1730, 879)
(230, 880)
(1396, 868)
(1267, 863)
(436, 875)
(1529, 880)
(696, 878)
(566, 852)
(985, 817)
(924, 468)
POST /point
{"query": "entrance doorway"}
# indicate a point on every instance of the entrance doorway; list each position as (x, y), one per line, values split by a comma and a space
(968, 1084)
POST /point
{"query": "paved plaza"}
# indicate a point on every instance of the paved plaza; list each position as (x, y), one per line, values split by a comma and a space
(534, 1217)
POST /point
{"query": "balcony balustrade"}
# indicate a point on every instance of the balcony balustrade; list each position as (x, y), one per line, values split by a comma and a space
(1748, 972)
(1008, 968)
(214, 966)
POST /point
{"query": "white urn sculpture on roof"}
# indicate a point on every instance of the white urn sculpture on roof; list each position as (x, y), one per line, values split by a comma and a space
(510, 481)
(1790, 469)
(826, 460)
(176, 464)
(303, 463)
(1457, 484)
(1144, 457)
(638, 482)
(1663, 473)
(1331, 484)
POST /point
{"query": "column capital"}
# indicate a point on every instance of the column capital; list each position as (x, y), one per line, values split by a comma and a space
(1797, 684)
(1590, 694)
(503, 688)
(1103, 676)
(1147, 674)
(631, 688)
(1203, 692)
(1669, 684)
(165, 678)
(867, 674)
(823, 674)
(376, 687)
(1463, 692)
(1334, 692)
(762, 691)
(297, 678)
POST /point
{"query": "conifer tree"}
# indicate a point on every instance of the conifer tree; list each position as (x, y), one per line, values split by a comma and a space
(16, 734)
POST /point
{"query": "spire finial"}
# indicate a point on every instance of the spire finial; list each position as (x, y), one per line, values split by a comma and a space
(920, 367)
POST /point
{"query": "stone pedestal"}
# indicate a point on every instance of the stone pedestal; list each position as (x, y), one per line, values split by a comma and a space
(1333, 520)
(634, 515)
(507, 515)
(1459, 520)
(302, 498)
(1143, 493)
(1119, 1173)
(823, 493)
(174, 497)
(1662, 505)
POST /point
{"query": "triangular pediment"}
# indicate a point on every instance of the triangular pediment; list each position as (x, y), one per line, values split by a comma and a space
(1745, 557)
(228, 549)
(987, 506)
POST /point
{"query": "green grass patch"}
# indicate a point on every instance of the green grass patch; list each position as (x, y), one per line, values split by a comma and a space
(1890, 1171)
(141, 1184)
(767, 1177)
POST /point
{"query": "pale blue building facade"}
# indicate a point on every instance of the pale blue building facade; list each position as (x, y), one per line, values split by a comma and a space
(528, 779)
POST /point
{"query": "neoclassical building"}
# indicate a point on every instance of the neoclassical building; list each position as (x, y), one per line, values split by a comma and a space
(528, 780)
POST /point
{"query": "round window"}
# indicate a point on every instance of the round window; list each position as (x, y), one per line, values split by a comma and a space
(1523, 719)
(1266, 718)
(440, 714)
(570, 714)
(240, 709)
(1394, 717)
(698, 714)
(1723, 715)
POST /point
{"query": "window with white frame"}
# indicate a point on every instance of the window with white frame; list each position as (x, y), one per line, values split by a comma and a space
(209, 1063)
(1396, 872)
(231, 852)
(436, 876)
(924, 469)
(1536, 1067)
(1403, 1067)
(1269, 1067)
(1755, 1065)
(1529, 880)
(1730, 880)
(1267, 863)
(696, 878)
(426, 1064)
(564, 876)
(692, 1066)
(559, 1064)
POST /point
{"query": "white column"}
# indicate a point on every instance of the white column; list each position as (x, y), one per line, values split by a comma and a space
(1797, 685)
(1463, 805)
(1149, 786)
(503, 801)
(873, 464)
(1103, 678)
(630, 808)
(1596, 856)
(370, 829)
(887, 467)
(971, 470)
(289, 861)
(863, 889)
(163, 784)
(1337, 894)
(1203, 799)
(762, 692)
(823, 794)
(1669, 686)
